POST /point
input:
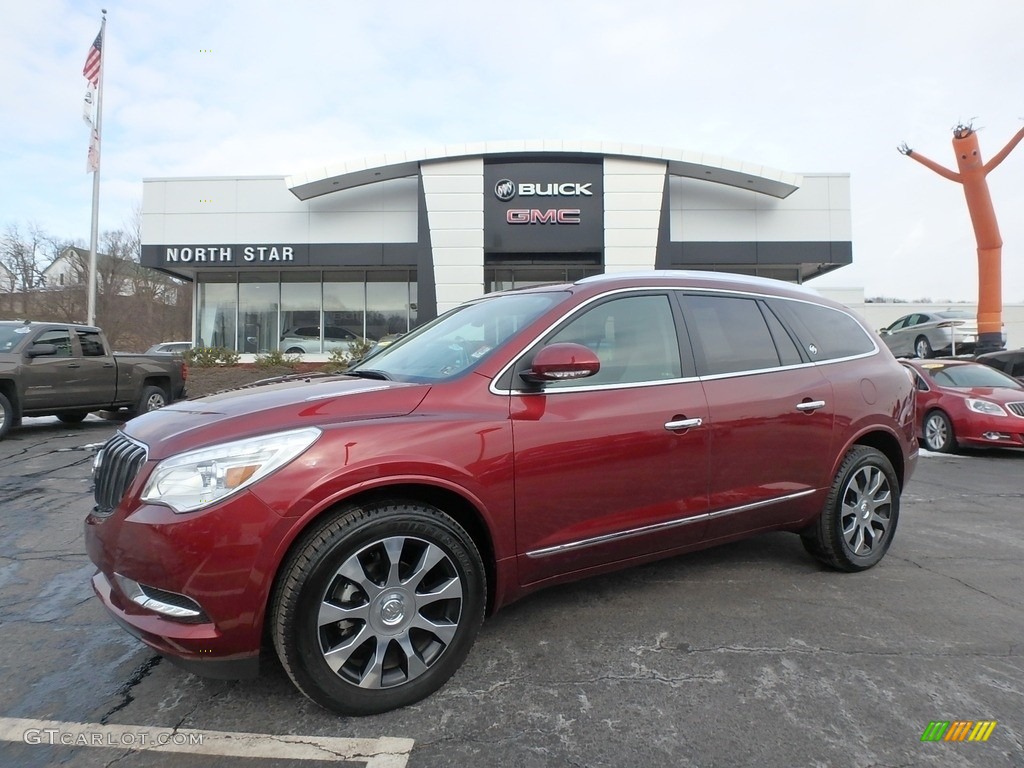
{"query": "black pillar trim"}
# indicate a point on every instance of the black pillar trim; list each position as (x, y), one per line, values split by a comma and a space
(663, 252)
(426, 283)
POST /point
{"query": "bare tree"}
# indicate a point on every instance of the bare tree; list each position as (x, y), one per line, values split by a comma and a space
(136, 306)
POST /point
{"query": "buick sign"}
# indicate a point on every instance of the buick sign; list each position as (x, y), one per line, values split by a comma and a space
(504, 190)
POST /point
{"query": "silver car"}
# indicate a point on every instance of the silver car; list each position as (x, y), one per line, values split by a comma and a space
(925, 334)
(170, 348)
(304, 339)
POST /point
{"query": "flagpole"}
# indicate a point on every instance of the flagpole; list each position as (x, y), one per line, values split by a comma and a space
(94, 236)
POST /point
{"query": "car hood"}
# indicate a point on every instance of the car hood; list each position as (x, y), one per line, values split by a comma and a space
(1000, 395)
(191, 424)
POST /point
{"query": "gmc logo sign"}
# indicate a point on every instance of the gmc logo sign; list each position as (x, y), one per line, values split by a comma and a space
(536, 216)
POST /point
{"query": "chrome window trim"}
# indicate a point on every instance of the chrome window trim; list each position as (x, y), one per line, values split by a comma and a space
(493, 388)
(664, 526)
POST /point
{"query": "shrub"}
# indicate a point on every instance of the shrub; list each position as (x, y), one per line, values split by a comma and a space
(339, 360)
(275, 358)
(207, 357)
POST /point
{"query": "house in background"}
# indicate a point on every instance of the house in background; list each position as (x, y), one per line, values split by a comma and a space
(7, 280)
(10, 302)
(71, 270)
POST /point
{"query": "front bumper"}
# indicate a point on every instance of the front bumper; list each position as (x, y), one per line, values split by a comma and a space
(183, 644)
(981, 431)
(223, 559)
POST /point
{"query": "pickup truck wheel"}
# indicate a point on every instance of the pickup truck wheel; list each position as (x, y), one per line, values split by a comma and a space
(7, 417)
(859, 520)
(378, 606)
(72, 418)
(153, 398)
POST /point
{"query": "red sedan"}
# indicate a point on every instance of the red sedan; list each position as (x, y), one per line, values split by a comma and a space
(961, 403)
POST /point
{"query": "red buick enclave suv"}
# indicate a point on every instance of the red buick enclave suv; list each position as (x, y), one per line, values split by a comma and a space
(364, 524)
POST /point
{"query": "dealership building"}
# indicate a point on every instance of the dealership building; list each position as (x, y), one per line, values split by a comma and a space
(377, 245)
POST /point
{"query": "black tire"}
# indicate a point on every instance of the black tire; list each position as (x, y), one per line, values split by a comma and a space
(113, 415)
(922, 347)
(72, 418)
(7, 417)
(153, 398)
(938, 434)
(356, 616)
(861, 512)
(295, 351)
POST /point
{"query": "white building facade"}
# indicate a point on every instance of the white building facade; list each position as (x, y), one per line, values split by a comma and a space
(378, 245)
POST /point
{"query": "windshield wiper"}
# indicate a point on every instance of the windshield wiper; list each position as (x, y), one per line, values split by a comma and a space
(369, 373)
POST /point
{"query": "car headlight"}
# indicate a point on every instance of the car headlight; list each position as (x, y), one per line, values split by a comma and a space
(196, 479)
(984, 406)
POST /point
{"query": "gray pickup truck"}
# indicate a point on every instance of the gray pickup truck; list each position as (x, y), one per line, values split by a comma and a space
(68, 371)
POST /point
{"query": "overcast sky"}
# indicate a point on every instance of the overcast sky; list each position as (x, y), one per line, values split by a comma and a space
(230, 88)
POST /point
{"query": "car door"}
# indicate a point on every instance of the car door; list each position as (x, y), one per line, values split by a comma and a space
(771, 414)
(611, 467)
(98, 371)
(54, 381)
(898, 338)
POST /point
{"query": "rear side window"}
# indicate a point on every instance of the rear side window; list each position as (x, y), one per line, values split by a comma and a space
(824, 333)
(91, 344)
(731, 334)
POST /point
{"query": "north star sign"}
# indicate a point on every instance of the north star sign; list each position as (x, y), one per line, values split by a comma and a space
(225, 254)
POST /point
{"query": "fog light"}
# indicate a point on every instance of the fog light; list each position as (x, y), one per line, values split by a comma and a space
(160, 601)
(996, 436)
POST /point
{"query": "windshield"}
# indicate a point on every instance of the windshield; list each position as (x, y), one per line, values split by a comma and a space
(12, 335)
(459, 339)
(972, 376)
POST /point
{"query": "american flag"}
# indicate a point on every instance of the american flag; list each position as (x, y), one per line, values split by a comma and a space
(91, 70)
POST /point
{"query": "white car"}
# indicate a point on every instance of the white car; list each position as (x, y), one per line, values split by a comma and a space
(170, 348)
(305, 339)
(925, 334)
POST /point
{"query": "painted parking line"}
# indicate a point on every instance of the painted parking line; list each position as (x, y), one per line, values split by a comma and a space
(384, 752)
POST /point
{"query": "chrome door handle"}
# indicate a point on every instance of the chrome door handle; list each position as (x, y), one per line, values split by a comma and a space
(683, 424)
(811, 406)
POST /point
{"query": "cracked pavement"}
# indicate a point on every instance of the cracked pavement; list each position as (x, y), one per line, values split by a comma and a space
(749, 654)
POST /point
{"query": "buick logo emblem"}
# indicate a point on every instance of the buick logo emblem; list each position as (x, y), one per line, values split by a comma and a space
(505, 190)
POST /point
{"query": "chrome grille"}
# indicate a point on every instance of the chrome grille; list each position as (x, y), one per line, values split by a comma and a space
(1016, 408)
(117, 464)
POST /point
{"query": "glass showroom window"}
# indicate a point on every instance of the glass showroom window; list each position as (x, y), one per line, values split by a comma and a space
(390, 306)
(218, 307)
(258, 303)
(345, 301)
(300, 309)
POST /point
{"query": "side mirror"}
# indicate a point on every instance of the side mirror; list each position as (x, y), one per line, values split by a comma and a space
(41, 350)
(560, 362)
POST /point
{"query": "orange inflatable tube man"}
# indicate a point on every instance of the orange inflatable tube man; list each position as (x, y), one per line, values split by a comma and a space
(972, 173)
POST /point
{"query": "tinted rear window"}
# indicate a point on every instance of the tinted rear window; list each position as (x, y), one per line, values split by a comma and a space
(831, 333)
(730, 334)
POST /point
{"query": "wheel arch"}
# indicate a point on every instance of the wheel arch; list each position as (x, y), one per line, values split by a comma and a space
(10, 391)
(162, 382)
(889, 445)
(457, 506)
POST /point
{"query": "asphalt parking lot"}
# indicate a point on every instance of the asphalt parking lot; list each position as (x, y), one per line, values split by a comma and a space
(745, 655)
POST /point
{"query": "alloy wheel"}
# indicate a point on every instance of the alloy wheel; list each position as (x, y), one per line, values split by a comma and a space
(867, 506)
(389, 612)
